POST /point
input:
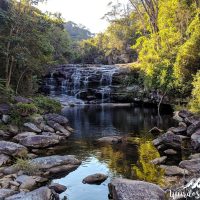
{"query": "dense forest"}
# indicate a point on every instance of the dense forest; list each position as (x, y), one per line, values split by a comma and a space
(160, 37)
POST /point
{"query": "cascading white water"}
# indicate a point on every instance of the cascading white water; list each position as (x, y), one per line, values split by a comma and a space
(90, 83)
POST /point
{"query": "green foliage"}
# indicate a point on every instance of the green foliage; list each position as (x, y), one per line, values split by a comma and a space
(25, 109)
(194, 103)
(26, 166)
(45, 104)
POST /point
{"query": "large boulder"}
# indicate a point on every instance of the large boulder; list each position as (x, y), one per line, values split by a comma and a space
(56, 118)
(191, 165)
(110, 139)
(12, 149)
(56, 164)
(6, 193)
(184, 113)
(170, 140)
(124, 189)
(23, 135)
(95, 179)
(62, 130)
(39, 141)
(193, 128)
(43, 193)
(26, 182)
(195, 140)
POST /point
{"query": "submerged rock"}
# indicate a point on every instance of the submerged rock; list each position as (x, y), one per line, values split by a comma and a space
(43, 193)
(110, 139)
(12, 149)
(95, 179)
(124, 189)
(39, 141)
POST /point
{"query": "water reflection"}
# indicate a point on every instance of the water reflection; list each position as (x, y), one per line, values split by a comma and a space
(129, 159)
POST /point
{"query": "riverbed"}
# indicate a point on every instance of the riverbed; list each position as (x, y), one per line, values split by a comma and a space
(129, 160)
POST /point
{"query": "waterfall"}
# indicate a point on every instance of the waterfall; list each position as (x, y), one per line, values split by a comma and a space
(92, 84)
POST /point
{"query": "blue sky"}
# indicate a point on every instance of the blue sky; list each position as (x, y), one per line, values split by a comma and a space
(86, 12)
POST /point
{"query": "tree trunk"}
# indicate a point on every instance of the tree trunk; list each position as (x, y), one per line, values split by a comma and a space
(8, 79)
(159, 104)
(19, 80)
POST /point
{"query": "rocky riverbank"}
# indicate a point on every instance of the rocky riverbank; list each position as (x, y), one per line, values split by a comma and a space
(24, 174)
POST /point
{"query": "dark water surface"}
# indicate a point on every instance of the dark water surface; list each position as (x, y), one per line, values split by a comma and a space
(129, 160)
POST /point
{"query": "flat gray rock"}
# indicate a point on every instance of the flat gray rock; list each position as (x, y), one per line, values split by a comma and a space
(32, 127)
(191, 165)
(39, 141)
(54, 161)
(6, 193)
(12, 149)
(124, 189)
(23, 135)
(43, 193)
(174, 170)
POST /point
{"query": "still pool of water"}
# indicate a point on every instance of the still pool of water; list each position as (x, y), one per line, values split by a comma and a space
(129, 160)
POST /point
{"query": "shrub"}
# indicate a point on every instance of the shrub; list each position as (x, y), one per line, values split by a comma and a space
(45, 104)
(194, 103)
(26, 166)
(25, 109)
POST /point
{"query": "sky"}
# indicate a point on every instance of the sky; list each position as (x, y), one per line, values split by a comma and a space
(85, 12)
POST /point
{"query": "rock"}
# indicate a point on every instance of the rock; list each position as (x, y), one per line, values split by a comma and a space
(95, 179)
(62, 130)
(4, 159)
(43, 193)
(3, 134)
(156, 142)
(10, 170)
(191, 120)
(161, 147)
(160, 160)
(181, 130)
(6, 193)
(191, 165)
(32, 127)
(177, 117)
(182, 124)
(174, 170)
(124, 189)
(171, 140)
(194, 156)
(13, 129)
(110, 139)
(26, 182)
(5, 119)
(14, 183)
(58, 137)
(184, 113)
(12, 149)
(36, 118)
(56, 118)
(170, 152)
(47, 128)
(58, 188)
(193, 128)
(23, 135)
(31, 156)
(195, 140)
(155, 130)
(39, 141)
(20, 99)
(5, 109)
(56, 163)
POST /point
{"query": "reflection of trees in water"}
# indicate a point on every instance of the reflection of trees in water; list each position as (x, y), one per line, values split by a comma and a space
(144, 170)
